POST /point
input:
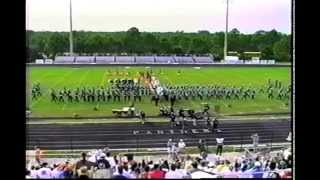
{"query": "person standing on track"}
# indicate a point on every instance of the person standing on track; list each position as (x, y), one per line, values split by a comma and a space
(201, 146)
(169, 147)
(255, 141)
(172, 118)
(219, 140)
(215, 124)
(143, 117)
(181, 147)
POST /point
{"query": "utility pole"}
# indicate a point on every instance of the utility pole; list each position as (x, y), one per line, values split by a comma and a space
(70, 37)
(226, 33)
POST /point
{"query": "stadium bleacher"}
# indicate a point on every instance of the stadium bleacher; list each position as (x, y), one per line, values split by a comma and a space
(203, 59)
(64, 60)
(105, 59)
(164, 60)
(145, 60)
(184, 59)
(124, 59)
(149, 60)
(85, 59)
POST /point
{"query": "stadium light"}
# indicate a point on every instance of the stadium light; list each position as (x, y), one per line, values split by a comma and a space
(70, 34)
(226, 33)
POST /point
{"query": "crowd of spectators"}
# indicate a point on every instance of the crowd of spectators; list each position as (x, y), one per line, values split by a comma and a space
(101, 164)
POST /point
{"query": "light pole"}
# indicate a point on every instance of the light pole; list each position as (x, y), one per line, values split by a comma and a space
(70, 34)
(226, 33)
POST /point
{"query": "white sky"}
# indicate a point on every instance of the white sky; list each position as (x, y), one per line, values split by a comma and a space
(159, 15)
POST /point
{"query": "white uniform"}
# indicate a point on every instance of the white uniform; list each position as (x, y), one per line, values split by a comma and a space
(181, 146)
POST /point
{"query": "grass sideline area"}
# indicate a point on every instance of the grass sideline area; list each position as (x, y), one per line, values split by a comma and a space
(60, 77)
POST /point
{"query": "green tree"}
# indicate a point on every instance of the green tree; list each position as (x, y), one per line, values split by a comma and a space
(282, 50)
(132, 41)
(150, 44)
(267, 53)
(57, 44)
(204, 32)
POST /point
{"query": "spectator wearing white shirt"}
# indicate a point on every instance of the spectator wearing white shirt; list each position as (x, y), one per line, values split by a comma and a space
(126, 171)
(173, 174)
(103, 169)
(183, 172)
(181, 146)
(111, 161)
(44, 172)
(219, 145)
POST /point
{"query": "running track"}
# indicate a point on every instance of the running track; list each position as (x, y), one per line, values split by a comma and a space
(149, 135)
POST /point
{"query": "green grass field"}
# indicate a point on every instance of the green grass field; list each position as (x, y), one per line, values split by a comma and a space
(59, 77)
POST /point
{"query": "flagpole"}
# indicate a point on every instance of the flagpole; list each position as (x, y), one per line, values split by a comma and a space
(70, 34)
(226, 33)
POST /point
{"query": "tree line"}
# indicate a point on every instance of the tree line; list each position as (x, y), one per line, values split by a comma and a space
(271, 44)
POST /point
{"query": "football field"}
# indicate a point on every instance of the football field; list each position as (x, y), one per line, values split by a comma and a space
(73, 77)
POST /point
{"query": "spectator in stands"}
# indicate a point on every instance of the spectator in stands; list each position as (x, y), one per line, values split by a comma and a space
(257, 171)
(119, 175)
(194, 167)
(157, 172)
(58, 171)
(103, 168)
(146, 174)
(33, 171)
(68, 171)
(126, 171)
(44, 172)
(173, 174)
(111, 161)
(187, 163)
(237, 166)
(37, 154)
(83, 172)
(183, 172)
(28, 174)
(272, 171)
(84, 162)
(165, 166)
(133, 174)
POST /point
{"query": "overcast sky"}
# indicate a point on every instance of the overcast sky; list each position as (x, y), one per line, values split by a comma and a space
(248, 16)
